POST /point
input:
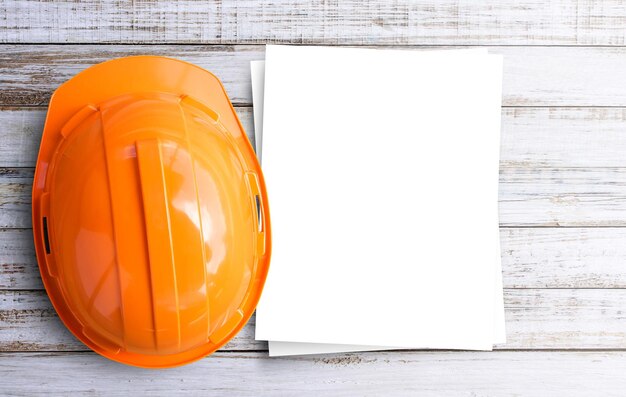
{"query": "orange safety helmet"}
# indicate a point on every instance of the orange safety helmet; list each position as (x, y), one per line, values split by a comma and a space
(150, 216)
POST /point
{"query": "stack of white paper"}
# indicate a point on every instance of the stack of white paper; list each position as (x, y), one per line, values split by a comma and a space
(382, 174)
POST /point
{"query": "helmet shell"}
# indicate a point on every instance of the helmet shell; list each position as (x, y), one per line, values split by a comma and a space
(150, 216)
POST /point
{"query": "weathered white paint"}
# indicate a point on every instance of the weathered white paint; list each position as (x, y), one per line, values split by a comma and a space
(535, 319)
(563, 137)
(28, 322)
(584, 22)
(562, 196)
(462, 374)
(21, 128)
(563, 257)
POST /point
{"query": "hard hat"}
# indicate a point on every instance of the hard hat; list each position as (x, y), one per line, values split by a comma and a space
(150, 216)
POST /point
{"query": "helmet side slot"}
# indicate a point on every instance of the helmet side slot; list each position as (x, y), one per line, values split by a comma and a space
(259, 213)
(46, 238)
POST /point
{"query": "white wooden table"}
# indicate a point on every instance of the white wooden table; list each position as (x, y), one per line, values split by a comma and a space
(562, 188)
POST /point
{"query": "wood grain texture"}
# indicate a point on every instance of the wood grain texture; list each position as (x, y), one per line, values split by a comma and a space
(531, 137)
(531, 258)
(535, 319)
(563, 257)
(20, 134)
(514, 374)
(533, 76)
(28, 322)
(18, 264)
(563, 137)
(21, 128)
(563, 197)
(584, 22)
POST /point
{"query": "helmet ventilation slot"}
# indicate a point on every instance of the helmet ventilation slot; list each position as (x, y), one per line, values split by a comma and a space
(46, 239)
(259, 213)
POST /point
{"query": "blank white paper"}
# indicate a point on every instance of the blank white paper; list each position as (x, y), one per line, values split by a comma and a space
(279, 348)
(415, 254)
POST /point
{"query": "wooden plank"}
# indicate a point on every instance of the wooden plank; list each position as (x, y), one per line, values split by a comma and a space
(535, 319)
(18, 264)
(28, 322)
(15, 197)
(531, 258)
(575, 197)
(562, 197)
(567, 22)
(21, 130)
(563, 137)
(563, 257)
(29, 74)
(514, 374)
(20, 135)
(533, 76)
(531, 137)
